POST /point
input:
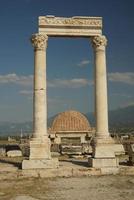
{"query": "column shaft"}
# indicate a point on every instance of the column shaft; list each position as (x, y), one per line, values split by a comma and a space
(39, 96)
(40, 101)
(101, 105)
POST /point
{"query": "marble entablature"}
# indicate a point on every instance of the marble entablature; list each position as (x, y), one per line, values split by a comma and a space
(74, 26)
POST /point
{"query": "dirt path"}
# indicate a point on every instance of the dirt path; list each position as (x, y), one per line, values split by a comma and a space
(84, 188)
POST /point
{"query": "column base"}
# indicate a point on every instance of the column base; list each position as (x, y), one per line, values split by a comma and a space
(40, 148)
(103, 140)
(105, 153)
(40, 164)
(108, 150)
(103, 162)
(40, 155)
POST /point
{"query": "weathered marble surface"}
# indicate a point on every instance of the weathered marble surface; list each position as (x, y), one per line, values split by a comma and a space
(14, 153)
(72, 27)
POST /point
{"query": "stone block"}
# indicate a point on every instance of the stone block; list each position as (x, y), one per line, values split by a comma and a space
(104, 151)
(108, 150)
(65, 172)
(109, 170)
(119, 149)
(28, 173)
(40, 164)
(127, 170)
(84, 172)
(40, 149)
(14, 153)
(71, 149)
(48, 173)
(103, 162)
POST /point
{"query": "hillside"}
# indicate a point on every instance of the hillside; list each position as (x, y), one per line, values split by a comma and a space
(120, 118)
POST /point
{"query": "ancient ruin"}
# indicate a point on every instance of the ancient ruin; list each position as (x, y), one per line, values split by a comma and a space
(71, 133)
(105, 150)
(68, 125)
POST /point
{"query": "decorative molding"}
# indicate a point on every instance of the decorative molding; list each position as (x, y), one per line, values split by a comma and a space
(74, 21)
(99, 41)
(39, 41)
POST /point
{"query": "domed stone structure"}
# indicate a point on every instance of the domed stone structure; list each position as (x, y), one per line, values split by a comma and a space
(70, 127)
(70, 121)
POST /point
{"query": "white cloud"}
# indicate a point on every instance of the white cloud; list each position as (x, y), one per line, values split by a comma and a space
(126, 104)
(83, 63)
(26, 92)
(121, 95)
(69, 83)
(27, 81)
(16, 79)
(123, 77)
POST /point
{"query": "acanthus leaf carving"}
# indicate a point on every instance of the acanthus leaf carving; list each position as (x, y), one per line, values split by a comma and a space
(99, 41)
(39, 41)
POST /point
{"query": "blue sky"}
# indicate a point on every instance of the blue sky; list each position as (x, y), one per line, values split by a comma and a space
(69, 61)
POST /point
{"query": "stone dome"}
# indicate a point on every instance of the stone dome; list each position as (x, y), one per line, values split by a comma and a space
(70, 121)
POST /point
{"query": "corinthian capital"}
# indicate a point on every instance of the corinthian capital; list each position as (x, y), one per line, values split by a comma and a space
(39, 41)
(99, 41)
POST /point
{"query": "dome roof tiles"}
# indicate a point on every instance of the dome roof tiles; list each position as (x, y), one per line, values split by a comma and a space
(70, 121)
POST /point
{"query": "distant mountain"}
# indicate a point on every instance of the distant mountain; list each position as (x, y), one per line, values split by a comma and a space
(15, 128)
(120, 118)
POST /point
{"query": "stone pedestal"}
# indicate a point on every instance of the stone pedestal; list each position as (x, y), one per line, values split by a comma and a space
(40, 156)
(108, 150)
(103, 162)
(40, 149)
(106, 155)
(40, 163)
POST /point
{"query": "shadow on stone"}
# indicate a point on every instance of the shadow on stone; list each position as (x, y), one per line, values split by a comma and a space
(80, 163)
(12, 162)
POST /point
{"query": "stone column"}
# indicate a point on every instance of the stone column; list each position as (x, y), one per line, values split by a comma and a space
(101, 105)
(104, 147)
(39, 43)
(40, 144)
(40, 154)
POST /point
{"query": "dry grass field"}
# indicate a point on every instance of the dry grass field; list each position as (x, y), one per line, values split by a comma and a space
(82, 188)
